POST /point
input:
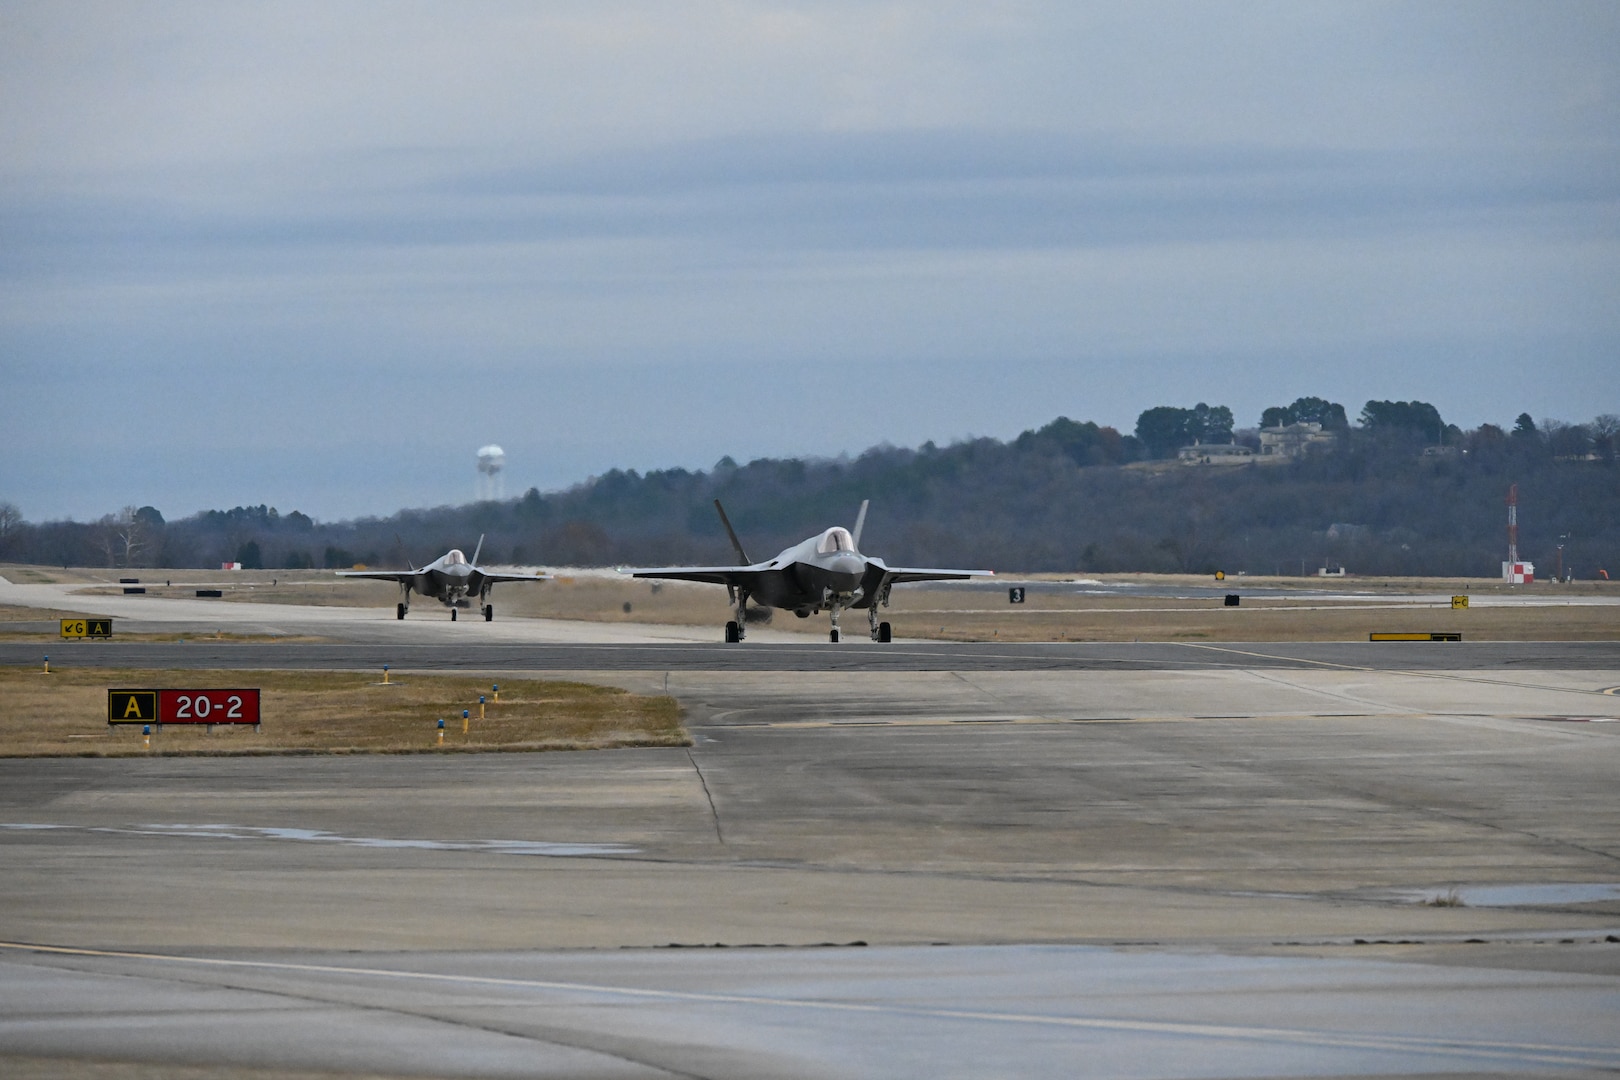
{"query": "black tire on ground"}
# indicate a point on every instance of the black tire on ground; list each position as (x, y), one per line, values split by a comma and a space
(732, 636)
(833, 635)
(489, 612)
(885, 632)
(400, 608)
(452, 614)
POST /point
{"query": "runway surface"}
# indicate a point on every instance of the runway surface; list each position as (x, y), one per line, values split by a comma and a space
(819, 656)
(914, 860)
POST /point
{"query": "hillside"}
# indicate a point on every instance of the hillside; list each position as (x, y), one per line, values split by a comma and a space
(1066, 497)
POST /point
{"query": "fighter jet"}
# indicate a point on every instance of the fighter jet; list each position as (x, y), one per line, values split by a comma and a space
(825, 572)
(449, 579)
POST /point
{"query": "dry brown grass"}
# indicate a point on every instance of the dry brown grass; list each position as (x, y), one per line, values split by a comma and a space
(65, 713)
(957, 614)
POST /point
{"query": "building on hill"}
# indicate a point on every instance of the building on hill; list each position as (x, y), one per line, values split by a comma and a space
(1214, 454)
(1292, 440)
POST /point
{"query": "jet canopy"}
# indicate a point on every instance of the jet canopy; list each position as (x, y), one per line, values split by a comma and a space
(455, 558)
(834, 540)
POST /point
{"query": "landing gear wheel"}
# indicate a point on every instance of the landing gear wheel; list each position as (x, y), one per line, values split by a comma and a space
(834, 636)
(885, 632)
(452, 614)
(400, 611)
(733, 633)
(489, 612)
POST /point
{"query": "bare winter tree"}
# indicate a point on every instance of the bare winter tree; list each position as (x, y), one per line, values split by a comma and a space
(11, 527)
(123, 536)
(10, 519)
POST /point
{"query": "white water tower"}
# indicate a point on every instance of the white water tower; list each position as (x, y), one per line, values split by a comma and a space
(490, 485)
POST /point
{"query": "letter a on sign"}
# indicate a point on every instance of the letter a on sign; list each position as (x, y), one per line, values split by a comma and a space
(132, 706)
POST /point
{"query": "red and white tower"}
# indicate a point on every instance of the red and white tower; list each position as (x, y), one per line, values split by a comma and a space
(1515, 572)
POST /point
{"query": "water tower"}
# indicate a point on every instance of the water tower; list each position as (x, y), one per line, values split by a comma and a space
(491, 460)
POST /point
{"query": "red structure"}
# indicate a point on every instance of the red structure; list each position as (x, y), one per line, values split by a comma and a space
(1515, 572)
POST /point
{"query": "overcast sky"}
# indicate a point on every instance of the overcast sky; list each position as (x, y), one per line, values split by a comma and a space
(316, 254)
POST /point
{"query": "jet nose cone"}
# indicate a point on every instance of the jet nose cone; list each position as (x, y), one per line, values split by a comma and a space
(851, 566)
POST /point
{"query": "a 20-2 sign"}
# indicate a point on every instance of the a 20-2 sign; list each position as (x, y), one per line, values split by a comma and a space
(238, 706)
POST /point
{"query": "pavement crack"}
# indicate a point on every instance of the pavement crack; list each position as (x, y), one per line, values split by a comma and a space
(714, 814)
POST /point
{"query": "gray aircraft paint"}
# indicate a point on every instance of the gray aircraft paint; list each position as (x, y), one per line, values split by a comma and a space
(450, 579)
(825, 572)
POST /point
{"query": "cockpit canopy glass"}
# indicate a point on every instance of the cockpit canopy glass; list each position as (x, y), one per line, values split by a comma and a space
(834, 540)
(455, 558)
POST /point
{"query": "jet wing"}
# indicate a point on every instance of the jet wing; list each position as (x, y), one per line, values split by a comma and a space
(879, 576)
(897, 574)
(381, 575)
(485, 575)
(718, 575)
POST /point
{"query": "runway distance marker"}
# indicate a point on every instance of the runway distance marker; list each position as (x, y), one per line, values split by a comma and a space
(189, 706)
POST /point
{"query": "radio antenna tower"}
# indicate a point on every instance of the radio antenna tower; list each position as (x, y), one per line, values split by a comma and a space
(1515, 572)
(1513, 524)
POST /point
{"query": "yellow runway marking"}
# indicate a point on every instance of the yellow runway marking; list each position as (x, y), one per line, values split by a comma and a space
(1539, 1053)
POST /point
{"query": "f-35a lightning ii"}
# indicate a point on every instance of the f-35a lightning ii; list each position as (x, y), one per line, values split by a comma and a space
(825, 572)
(449, 579)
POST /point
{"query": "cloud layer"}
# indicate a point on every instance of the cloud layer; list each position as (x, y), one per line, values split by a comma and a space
(315, 255)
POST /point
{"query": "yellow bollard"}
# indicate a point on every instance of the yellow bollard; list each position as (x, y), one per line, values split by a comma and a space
(464, 721)
(496, 690)
(385, 674)
(441, 732)
(47, 665)
(480, 706)
(146, 736)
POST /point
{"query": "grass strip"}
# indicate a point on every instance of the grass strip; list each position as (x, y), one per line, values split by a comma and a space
(64, 714)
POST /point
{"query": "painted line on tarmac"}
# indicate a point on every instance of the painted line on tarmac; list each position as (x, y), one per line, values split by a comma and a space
(1496, 683)
(1044, 721)
(1516, 1052)
(320, 836)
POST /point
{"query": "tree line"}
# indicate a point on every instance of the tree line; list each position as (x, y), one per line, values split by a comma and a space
(1400, 491)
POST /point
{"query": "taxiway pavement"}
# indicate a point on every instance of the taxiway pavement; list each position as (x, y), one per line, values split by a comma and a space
(950, 861)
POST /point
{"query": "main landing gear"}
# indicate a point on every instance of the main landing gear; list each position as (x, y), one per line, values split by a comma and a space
(489, 612)
(736, 629)
(400, 611)
(452, 614)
